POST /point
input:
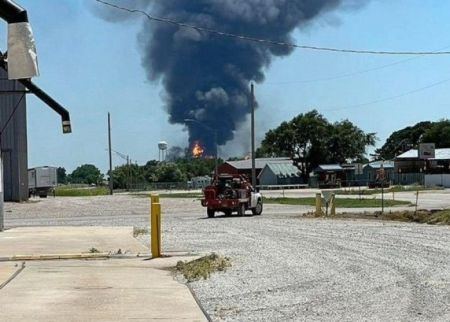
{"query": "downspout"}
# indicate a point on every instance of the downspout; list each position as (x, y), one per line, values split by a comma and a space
(11, 12)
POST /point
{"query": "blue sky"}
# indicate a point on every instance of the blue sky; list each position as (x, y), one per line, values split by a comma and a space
(93, 67)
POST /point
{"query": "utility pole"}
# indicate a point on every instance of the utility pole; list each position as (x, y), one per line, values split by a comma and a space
(382, 174)
(131, 174)
(216, 153)
(128, 176)
(252, 104)
(110, 157)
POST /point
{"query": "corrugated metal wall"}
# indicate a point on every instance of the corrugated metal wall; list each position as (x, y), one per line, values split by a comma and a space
(267, 177)
(14, 139)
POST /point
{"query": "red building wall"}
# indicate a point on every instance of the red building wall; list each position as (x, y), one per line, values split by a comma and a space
(227, 168)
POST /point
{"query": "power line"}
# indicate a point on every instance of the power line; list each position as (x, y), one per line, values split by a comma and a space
(343, 75)
(268, 41)
(351, 74)
(390, 98)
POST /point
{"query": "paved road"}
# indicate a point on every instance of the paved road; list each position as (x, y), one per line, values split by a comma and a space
(287, 268)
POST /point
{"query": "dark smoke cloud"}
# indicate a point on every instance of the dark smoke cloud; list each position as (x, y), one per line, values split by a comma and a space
(206, 77)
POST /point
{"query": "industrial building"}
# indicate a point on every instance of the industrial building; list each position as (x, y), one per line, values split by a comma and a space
(13, 125)
(276, 174)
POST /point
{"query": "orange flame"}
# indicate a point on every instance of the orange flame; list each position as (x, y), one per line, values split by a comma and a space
(197, 149)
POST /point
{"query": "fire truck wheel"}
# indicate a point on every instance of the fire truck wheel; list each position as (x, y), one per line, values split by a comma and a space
(258, 209)
(241, 210)
(227, 212)
(210, 213)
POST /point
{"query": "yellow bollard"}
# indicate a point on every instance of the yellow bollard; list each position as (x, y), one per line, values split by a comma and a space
(333, 205)
(318, 204)
(155, 226)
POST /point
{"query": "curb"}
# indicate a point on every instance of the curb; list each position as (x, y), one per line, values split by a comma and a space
(103, 255)
(70, 256)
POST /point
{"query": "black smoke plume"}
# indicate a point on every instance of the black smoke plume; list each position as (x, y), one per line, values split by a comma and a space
(206, 76)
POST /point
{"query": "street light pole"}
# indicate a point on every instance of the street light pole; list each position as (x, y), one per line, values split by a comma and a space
(252, 139)
(215, 141)
(382, 186)
(110, 177)
(215, 145)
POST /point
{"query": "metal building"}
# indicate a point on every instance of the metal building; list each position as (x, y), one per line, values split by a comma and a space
(13, 124)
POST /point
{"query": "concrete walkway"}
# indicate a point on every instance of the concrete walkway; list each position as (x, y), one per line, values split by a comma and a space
(131, 288)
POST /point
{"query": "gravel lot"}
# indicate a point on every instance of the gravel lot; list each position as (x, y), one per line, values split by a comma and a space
(285, 268)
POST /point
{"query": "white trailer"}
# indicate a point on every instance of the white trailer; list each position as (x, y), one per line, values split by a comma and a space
(42, 181)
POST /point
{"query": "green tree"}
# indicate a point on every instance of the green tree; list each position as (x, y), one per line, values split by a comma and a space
(347, 141)
(121, 177)
(149, 170)
(438, 133)
(86, 173)
(169, 172)
(402, 140)
(310, 140)
(61, 175)
(194, 167)
(137, 175)
(409, 137)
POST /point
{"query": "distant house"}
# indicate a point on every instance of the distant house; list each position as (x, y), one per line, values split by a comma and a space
(410, 169)
(279, 173)
(244, 167)
(329, 175)
(377, 171)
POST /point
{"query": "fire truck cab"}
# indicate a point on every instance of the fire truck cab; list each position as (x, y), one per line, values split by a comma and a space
(231, 193)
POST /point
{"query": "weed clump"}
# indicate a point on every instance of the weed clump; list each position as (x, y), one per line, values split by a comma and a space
(139, 231)
(203, 267)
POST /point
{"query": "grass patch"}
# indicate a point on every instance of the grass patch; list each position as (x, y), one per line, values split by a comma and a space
(397, 188)
(181, 195)
(413, 188)
(340, 202)
(187, 195)
(94, 250)
(431, 217)
(81, 192)
(139, 231)
(441, 217)
(408, 216)
(203, 267)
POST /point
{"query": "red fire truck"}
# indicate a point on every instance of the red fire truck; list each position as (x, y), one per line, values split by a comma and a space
(231, 193)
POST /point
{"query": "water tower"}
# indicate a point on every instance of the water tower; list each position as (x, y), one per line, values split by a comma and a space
(162, 146)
